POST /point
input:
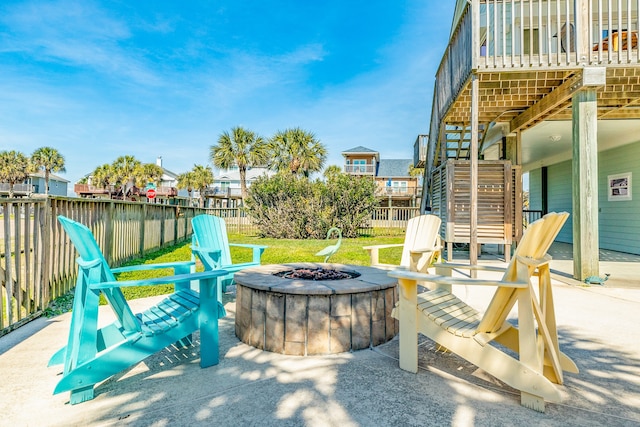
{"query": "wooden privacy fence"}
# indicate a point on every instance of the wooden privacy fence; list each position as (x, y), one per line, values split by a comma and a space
(37, 261)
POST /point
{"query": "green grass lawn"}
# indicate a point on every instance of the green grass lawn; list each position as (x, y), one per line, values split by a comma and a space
(279, 251)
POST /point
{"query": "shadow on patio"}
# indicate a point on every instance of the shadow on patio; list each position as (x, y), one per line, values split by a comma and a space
(252, 387)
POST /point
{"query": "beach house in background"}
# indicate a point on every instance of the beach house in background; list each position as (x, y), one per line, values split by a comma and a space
(35, 185)
(548, 87)
(166, 190)
(225, 191)
(395, 186)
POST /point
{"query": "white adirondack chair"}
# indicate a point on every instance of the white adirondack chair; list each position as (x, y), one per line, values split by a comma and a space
(443, 317)
(422, 245)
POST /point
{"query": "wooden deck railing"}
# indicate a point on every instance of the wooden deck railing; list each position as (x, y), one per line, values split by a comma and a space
(525, 35)
(555, 33)
(360, 169)
(18, 189)
(87, 189)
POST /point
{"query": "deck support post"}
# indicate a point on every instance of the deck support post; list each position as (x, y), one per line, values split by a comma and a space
(473, 165)
(513, 148)
(585, 184)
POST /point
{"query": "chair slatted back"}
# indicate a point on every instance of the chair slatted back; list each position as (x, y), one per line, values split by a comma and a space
(534, 244)
(422, 232)
(210, 232)
(89, 253)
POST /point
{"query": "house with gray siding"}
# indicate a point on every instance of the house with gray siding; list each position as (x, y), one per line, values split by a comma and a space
(57, 185)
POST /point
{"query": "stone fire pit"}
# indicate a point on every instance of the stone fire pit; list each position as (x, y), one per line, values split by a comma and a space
(306, 317)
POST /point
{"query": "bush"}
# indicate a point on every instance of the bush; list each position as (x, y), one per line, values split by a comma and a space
(352, 200)
(285, 206)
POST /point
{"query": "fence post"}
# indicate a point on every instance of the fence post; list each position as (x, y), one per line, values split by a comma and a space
(143, 220)
(176, 218)
(45, 270)
(109, 231)
(163, 218)
(8, 281)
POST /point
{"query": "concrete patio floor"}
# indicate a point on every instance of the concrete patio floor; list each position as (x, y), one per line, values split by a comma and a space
(599, 327)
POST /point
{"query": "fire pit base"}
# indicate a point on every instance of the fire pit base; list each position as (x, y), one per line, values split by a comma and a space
(307, 317)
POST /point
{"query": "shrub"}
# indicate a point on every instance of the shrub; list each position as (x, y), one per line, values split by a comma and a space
(352, 200)
(285, 206)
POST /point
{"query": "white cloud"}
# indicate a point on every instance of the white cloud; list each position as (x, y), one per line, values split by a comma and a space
(74, 33)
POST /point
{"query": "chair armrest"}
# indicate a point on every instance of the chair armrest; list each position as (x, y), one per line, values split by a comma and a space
(376, 247)
(257, 250)
(423, 250)
(452, 266)
(159, 280)
(247, 245)
(179, 267)
(373, 251)
(448, 280)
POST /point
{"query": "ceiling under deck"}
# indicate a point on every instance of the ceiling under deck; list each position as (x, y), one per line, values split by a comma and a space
(505, 96)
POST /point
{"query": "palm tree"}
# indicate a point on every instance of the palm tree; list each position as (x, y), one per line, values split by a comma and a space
(104, 177)
(241, 148)
(298, 152)
(49, 160)
(148, 173)
(14, 168)
(202, 178)
(186, 181)
(126, 169)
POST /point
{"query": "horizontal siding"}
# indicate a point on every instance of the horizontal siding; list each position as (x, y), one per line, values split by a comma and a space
(535, 189)
(619, 221)
(559, 197)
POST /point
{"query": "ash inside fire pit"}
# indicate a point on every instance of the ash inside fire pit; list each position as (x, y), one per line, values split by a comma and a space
(317, 274)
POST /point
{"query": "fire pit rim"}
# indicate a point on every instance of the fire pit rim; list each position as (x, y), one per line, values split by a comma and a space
(262, 278)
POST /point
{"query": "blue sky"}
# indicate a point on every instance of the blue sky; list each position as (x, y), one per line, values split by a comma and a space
(101, 79)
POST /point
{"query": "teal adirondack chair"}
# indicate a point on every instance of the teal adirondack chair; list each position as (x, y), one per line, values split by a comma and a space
(211, 245)
(94, 354)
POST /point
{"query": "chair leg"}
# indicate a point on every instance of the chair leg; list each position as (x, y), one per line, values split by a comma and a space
(407, 315)
(532, 402)
(81, 395)
(209, 312)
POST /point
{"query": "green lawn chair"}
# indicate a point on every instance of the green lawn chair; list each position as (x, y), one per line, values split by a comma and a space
(94, 354)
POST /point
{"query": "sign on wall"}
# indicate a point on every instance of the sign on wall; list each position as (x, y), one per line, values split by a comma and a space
(619, 187)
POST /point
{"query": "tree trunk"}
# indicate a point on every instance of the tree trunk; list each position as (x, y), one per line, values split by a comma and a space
(243, 183)
(46, 182)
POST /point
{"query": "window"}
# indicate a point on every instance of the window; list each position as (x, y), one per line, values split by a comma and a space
(360, 166)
